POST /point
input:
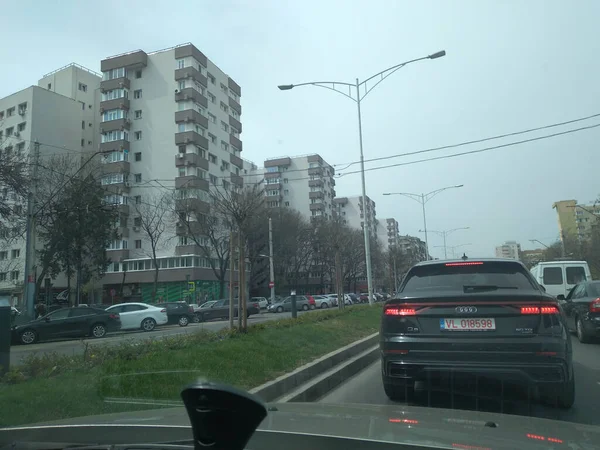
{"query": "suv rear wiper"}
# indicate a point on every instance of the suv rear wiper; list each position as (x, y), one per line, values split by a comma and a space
(486, 287)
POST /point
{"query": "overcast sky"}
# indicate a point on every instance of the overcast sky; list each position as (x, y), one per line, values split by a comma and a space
(510, 66)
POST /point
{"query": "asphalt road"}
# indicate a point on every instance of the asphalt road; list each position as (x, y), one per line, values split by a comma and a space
(366, 388)
(76, 346)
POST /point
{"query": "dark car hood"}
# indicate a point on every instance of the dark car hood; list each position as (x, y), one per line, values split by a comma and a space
(419, 426)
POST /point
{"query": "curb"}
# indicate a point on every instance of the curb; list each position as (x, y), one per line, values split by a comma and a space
(287, 384)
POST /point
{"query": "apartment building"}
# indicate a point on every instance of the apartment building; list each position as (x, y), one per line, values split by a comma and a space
(414, 246)
(392, 232)
(170, 119)
(510, 249)
(352, 213)
(576, 220)
(304, 183)
(60, 115)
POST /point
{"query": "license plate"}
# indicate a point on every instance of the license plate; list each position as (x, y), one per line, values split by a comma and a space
(467, 324)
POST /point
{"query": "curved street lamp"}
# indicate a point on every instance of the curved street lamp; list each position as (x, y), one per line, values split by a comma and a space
(444, 234)
(357, 92)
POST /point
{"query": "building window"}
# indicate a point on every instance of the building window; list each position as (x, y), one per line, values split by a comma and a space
(137, 222)
(115, 135)
(212, 118)
(212, 98)
(138, 177)
(116, 157)
(82, 87)
(213, 138)
(138, 199)
(224, 127)
(224, 146)
(21, 126)
(138, 74)
(138, 156)
(224, 107)
(10, 112)
(14, 275)
(180, 63)
(138, 243)
(112, 95)
(182, 85)
(49, 86)
(114, 73)
(137, 93)
(111, 114)
(113, 178)
(213, 180)
(212, 158)
(138, 114)
(15, 253)
(138, 135)
(224, 88)
(83, 142)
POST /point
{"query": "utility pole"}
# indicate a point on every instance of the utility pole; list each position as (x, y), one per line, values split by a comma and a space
(231, 277)
(425, 228)
(29, 283)
(338, 279)
(271, 263)
(242, 282)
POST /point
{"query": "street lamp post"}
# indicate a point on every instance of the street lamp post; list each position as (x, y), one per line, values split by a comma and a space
(357, 97)
(453, 248)
(444, 234)
(423, 199)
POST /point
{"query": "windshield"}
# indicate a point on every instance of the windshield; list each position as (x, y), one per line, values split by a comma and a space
(393, 204)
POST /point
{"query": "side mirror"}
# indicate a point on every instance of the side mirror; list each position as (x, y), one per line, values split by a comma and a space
(47, 319)
(560, 297)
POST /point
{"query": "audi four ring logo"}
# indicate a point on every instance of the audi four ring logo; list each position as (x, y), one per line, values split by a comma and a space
(465, 309)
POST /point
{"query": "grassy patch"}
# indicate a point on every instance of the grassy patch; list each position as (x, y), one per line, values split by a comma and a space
(53, 387)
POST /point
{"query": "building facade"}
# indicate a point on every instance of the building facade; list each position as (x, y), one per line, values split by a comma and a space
(352, 213)
(413, 246)
(170, 119)
(575, 220)
(510, 249)
(56, 117)
(303, 183)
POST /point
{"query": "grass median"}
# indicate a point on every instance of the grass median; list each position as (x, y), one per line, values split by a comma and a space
(146, 374)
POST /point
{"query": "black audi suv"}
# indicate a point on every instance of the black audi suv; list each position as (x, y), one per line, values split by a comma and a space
(485, 317)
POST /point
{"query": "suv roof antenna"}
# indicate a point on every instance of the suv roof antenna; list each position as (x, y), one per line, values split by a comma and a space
(464, 257)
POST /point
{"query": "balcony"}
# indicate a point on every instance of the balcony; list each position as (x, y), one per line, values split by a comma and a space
(130, 60)
(234, 87)
(273, 186)
(315, 171)
(340, 200)
(278, 162)
(191, 159)
(191, 115)
(191, 204)
(191, 94)
(191, 182)
(271, 175)
(317, 206)
(115, 83)
(188, 228)
(235, 123)
(312, 195)
(235, 142)
(115, 103)
(314, 158)
(121, 144)
(118, 255)
(235, 105)
(114, 125)
(122, 209)
(190, 249)
(190, 50)
(123, 232)
(315, 183)
(116, 167)
(190, 73)
(236, 161)
(237, 180)
(117, 188)
(191, 137)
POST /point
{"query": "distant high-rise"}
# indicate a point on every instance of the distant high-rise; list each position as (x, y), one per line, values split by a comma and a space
(510, 249)
(353, 213)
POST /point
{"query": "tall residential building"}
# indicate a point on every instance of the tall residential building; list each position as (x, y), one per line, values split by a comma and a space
(304, 183)
(169, 118)
(352, 213)
(60, 114)
(413, 246)
(575, 220)
(510, 249)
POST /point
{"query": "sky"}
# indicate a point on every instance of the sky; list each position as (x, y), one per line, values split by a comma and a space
(510, 66)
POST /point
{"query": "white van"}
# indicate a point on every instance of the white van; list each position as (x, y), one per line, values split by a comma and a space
(559, 277)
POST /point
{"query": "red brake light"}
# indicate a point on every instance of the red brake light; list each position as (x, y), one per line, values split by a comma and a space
(114, 316)
(539, 310)
(595, 306)
(470, 263)
(408, 421)
(399, 312)
(163, 310)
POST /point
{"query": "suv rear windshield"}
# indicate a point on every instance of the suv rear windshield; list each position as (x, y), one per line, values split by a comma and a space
(473, 276)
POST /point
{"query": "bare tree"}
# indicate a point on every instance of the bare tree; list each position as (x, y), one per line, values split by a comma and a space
(154, 217)
(14, 176)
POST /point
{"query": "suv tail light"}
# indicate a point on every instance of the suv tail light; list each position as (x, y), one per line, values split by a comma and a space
(191, 309)
(595, 306)
(114, 316)
(539, 310)
(395, 311)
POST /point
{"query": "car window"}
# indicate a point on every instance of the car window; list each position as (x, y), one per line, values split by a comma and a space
(80, 312)
(553, 275)
(576, 292)
(133, 308)
(459, 276)
(593, 289)
(60, 314)
(575, 275)
(116, 309)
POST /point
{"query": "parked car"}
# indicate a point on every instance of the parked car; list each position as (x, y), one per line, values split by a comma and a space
(220, 310)
(136, 316)
(484, 316)
(303, 302)
(67, 323)
(180, 313)
(582, 309)
(560, 277)
(262, 302)
(322, 301)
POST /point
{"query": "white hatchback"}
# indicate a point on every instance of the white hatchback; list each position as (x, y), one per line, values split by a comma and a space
(135, 316)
